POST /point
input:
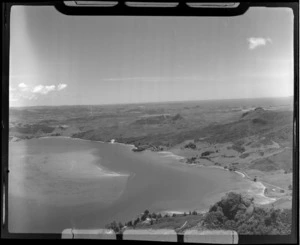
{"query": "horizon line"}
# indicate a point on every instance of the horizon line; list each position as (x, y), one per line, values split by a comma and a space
(150, 102)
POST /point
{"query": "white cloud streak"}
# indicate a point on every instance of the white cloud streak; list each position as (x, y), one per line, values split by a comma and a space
(61, 86)
(23, 91)
(23, 87)
(255, 42)
(41, 89)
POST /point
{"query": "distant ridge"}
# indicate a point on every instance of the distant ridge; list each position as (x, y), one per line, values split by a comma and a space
(158, 102)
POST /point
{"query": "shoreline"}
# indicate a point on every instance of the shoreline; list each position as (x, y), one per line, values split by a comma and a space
(99, 141)
(261, 193)
(268, 200)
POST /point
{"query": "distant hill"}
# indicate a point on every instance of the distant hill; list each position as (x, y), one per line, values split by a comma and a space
(258, 121)
(158, 119)
(156, 129)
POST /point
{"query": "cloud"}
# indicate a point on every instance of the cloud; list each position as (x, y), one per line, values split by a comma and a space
(255, 42)
(24, 91)
(23, 87)
(41, 89)
(61, 86)
(37, 89)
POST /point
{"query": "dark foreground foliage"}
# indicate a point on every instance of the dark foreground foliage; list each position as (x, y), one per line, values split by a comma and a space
(235, 212)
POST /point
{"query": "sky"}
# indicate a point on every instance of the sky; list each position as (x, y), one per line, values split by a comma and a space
(83, 60)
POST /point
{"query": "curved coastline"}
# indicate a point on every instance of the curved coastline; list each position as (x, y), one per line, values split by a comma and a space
(97, 194)
(259, 186)
(258, 189)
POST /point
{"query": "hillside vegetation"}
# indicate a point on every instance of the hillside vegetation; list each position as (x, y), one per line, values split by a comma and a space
(233, 212)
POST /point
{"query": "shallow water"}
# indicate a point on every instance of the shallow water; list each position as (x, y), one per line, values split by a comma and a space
(58, 183)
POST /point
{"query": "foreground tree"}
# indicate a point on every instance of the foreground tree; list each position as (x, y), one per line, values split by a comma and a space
(236, 212)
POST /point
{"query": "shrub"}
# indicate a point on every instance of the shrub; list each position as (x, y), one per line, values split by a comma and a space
(191, 160)
(232, 168)
(114, 226)
(136, 221)
(206, 153)
(144, 216)
(214, 220)
(232, 213)
(191, 146)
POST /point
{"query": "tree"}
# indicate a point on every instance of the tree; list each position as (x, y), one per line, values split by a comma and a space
(206, 153)
(191, 146)
(114, 226)
(232, 213)
(144, 216)
(191, 160)
(214, 220)
(136, 221)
